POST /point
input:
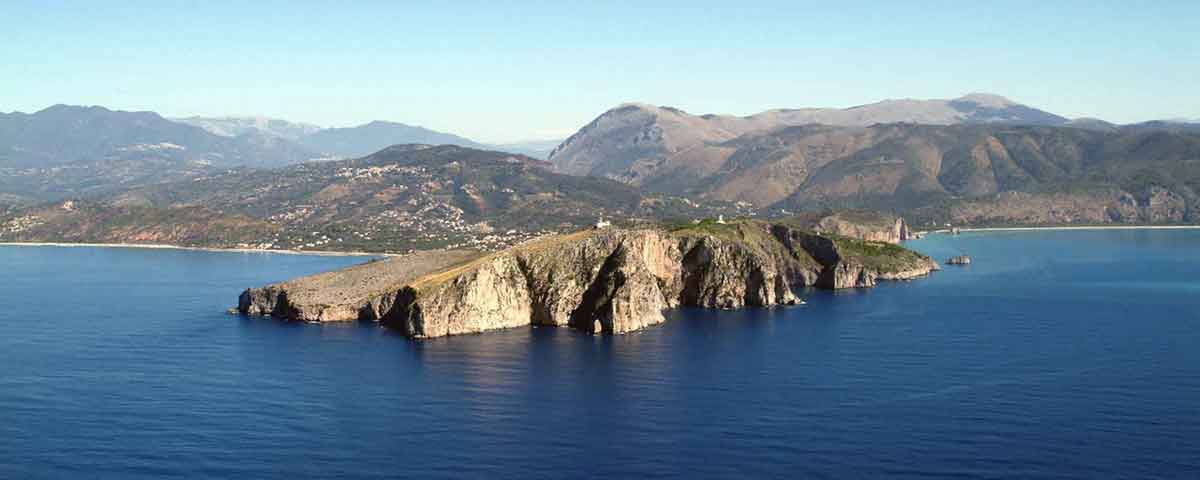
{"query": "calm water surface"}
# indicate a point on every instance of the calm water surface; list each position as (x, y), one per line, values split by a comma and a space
(1056, 355)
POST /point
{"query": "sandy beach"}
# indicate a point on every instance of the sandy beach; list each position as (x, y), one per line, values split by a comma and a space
(204, 249)
(1083, 228)
(964, 229)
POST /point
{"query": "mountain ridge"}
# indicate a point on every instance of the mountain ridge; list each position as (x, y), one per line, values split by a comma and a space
(1147, 171)
(233, 126)
(628, 142)
(72, 151)
(63, 134)
(365, 139)
(402, 197)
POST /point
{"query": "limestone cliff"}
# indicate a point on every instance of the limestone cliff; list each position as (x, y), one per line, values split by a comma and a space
(607, 281)
(860, 224)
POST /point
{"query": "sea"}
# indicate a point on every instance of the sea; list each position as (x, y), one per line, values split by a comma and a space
(1055, 354)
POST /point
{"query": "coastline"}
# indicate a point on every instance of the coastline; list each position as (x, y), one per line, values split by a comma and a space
(1093, 227)
(160, 246)
(599, 281)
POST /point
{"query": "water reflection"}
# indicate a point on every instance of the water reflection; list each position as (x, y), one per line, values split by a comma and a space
(1033, 360)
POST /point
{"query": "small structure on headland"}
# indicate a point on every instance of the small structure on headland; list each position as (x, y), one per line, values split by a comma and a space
(959, 260)
(601, 223)
(721, 219)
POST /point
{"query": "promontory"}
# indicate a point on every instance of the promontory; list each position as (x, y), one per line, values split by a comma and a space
(600, 281)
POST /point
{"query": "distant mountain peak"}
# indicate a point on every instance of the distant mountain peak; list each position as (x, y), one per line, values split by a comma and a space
(63, 134)
(637, 105)
(63, 107)
(638, 143)
(234, 126)
(372, 137)
(989, 100)
(66, 110)
(388, 124)
(629, 107)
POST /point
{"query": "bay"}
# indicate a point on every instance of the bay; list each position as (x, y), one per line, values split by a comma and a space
(1056, 354)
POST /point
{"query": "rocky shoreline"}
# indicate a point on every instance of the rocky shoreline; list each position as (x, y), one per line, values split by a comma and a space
(605, 281)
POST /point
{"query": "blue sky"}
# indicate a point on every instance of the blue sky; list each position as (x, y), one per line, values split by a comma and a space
(503, 71)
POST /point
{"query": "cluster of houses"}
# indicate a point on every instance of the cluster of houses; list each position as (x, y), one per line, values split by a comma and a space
(20, 224)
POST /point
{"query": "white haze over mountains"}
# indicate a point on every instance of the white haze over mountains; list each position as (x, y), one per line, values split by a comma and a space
(66, 133)
(237, 126)
(356, 141)
(971, 108)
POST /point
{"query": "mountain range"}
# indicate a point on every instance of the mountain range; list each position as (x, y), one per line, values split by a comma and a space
(66, 134)
(362, 140)
(975, 160)
(69, 151)
(631, 140)
(935, 159)
(237, 126)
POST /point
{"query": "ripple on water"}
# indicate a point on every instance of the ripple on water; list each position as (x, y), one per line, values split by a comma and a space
(1038, 360)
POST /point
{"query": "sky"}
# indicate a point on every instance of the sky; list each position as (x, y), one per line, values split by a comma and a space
(502, 71)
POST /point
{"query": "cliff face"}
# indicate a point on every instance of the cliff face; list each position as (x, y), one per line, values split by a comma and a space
(364, 292)
(601, 281)
(1093, 206)
(860, 224)
(486, 295)
(894, 230)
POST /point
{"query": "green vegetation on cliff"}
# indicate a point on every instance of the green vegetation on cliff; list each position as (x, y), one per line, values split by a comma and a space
(609, 280)
(881, 256)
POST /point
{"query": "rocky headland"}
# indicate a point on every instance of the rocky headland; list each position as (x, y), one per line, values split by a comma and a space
(860, 224)
(602, 281)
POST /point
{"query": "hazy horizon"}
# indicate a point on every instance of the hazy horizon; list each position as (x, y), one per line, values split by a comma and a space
(529, 71)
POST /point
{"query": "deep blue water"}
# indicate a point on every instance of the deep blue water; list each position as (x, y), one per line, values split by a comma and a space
(1056, 355)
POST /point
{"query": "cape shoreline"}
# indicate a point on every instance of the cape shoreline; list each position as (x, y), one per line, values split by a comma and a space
(1065, 227)
(600, 281)
(360, 253)
(338, 253)
(163, 246)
